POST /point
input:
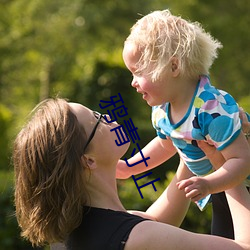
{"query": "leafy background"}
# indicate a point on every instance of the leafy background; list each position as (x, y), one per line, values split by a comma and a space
(72, 48)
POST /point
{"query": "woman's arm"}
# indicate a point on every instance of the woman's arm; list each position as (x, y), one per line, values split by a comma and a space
(160, 236)
(239, 203)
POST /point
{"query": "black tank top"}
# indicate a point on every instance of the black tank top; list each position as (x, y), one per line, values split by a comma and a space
(102, 229)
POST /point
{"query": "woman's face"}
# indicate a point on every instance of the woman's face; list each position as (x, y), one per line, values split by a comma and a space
(103, 141)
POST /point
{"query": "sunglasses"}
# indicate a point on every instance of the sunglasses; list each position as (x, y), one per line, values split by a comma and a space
(100, 118)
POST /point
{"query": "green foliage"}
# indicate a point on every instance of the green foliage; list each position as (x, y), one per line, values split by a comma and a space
(245, 103)
(73, 48)
(5, 124)
(230, 71)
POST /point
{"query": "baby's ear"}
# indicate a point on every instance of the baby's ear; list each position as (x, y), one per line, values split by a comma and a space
(89, 161)
(175, 66)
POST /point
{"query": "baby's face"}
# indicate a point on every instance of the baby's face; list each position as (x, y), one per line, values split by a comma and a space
(154, 93)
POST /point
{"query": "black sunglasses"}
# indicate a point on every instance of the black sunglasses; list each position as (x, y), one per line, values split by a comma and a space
(99, 118)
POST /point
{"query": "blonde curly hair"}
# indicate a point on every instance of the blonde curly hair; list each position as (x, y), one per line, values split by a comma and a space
(161, 36)
(49, 181)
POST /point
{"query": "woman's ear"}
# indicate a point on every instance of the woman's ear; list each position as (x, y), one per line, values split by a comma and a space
(175, 66)
(90, 161)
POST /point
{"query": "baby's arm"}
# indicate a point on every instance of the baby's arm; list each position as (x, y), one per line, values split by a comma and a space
(158, 150)
(234, 171)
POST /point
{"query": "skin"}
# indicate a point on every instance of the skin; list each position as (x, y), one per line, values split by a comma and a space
(100, 160)
(102, 188)
(234, 170)
(245, 122)
(167, 89)
(178, 91)
(217, 161)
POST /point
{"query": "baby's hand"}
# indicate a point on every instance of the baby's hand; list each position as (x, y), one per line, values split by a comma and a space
(122, 170)
(195, 187)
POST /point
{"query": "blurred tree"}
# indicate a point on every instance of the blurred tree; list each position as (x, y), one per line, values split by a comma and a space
(229, 23)
(57, 44)
(72, 48)
(5, 123)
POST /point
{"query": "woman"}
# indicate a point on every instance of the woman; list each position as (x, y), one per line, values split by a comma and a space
(65, 189)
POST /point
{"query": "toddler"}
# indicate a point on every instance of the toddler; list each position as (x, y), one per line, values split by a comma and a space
(170, 59)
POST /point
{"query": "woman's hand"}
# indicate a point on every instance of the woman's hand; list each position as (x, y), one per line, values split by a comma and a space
(245, 124)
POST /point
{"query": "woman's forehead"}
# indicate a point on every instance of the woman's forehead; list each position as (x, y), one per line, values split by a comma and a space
(78, 108)
(83, 114)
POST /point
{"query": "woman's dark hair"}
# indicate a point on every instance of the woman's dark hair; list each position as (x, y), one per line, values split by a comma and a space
(49, 180)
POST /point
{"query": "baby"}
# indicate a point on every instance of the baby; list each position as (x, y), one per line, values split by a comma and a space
(170, 59)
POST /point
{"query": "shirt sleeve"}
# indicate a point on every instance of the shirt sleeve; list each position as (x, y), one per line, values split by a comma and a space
(219, 120)
(159, 121)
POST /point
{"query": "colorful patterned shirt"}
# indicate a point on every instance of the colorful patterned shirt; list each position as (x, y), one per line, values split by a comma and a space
(213, 115)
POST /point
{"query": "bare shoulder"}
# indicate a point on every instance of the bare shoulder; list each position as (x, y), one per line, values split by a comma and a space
(154, 235)
(149, 235)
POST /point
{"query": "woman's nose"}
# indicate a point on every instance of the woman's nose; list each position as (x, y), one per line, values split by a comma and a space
(108, 118)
